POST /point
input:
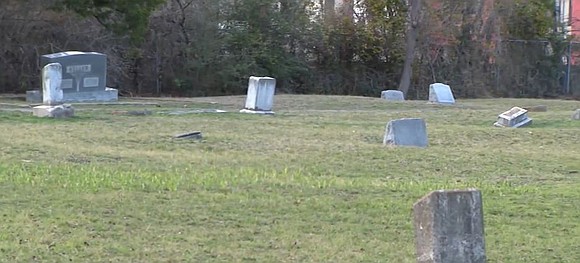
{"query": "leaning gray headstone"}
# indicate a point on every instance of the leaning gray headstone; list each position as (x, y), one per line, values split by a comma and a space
(260, 97)
(392, 95)
(441, 94)
(406, 132)
(516, 117)
(576, 115)
(52, 95)
(84, 76)
(449, 227)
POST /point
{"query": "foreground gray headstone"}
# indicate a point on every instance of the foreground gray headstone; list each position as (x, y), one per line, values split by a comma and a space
(576, 115)
(441, 94)
(260, 97)
(392, 95)
(84, 77)
(406, 132)
(449, 227)
(516, 117)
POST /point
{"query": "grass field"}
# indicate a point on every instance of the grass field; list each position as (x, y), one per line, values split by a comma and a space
(311, 184)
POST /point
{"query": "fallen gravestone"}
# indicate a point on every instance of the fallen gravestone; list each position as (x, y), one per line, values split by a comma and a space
(406, 132)
(133, 112)
(449, 227)
(181, 112)
(52, 96)
(576, 115)
(441, 94)
(392, 95)
(190, 135)
(84, 77)
(537, 108)
(516, 117)
(260, 97)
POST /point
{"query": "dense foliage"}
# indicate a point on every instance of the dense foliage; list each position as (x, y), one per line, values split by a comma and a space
(200, 48)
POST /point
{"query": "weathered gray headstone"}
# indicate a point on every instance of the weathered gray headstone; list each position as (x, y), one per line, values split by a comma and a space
(516, 117)
(576, 115)
(441, 94)
(392, 95)
(260, 97)
(406, 132)
(51, 80)
(449, 227)
(84, 76)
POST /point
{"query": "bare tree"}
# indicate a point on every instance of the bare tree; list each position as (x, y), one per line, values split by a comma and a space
(411, 42)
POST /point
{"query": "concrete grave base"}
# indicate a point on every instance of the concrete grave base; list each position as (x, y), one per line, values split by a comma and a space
(60, 111)
(107, 95)
(266, 112)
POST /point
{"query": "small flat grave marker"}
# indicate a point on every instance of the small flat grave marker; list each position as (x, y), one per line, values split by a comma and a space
(449, 227)
(406, 132)
(516, 117)
(441, 94)
(190, 135)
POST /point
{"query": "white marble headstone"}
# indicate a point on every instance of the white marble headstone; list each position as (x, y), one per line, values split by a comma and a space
(576, 115)
(260, 97)
(392, 95)
(441, 93)
(51, 80)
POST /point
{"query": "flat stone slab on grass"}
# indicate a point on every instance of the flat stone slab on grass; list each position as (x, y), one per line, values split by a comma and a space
(449, 227)
(410, 132)
(441, 94)
(392, 95)
(190, 135)
(516, 117)
(59, 111)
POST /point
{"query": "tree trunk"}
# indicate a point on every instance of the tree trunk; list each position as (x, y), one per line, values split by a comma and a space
(411, 42)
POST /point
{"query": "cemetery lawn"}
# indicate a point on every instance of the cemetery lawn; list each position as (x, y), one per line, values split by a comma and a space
(311, 184)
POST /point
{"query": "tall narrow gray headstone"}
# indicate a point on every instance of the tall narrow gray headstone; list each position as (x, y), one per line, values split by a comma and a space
(406, 132)
(449, 227)
(260, 97)
(51, 81)
(392, 95)
(441, 94)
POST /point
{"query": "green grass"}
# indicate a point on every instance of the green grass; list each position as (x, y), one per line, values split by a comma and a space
(311, 184)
